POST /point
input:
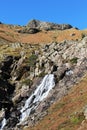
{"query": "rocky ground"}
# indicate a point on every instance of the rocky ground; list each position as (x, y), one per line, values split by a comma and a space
(22, 67)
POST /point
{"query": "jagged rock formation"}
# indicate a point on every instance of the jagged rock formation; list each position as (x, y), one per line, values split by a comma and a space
(35, 26)
(47, 25)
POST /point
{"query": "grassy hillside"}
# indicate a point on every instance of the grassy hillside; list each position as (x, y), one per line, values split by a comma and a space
(10, 33)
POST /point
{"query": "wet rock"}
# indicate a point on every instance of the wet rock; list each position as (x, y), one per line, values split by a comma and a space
(11, 122)
(2, 114)
(54, 68)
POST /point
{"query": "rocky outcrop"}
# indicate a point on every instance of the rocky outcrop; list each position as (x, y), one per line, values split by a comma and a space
(29, 30)
(35, 26)
(47, 25)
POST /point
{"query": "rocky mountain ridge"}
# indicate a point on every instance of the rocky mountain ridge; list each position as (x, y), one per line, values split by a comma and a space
(35, 26)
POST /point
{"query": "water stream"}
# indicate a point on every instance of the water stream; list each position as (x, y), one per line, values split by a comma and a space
(3, 123)
(39, 94)
(36, 97)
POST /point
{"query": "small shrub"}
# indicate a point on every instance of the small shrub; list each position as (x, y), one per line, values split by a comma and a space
(72, 122)
(27, 82)
(42, 74)
(76, 119)
(74, 60)
(83, 35)
(32, 60)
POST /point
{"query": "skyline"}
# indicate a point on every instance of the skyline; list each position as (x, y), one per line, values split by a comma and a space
(20, 12)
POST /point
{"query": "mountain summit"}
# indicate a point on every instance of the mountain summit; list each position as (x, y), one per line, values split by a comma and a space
(35, 26)
(47, 25)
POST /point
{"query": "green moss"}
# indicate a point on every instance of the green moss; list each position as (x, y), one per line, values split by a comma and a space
(72, 122)
(76, 119)
(27, 82)
(32, 60)
(74, 60)
(42, 74)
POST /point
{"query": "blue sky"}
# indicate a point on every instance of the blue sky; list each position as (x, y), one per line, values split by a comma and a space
(58, 11)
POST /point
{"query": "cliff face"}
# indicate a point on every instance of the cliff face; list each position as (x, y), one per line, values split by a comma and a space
(35, 76)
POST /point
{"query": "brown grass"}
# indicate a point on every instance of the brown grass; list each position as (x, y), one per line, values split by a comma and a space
(10, 33)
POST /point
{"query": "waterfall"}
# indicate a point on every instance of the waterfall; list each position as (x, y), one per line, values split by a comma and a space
(36, 97)
(3, 123)
(39, 94)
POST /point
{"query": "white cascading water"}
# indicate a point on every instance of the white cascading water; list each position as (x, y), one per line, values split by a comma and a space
(40, 93)
(3, 123)
(32, 102)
